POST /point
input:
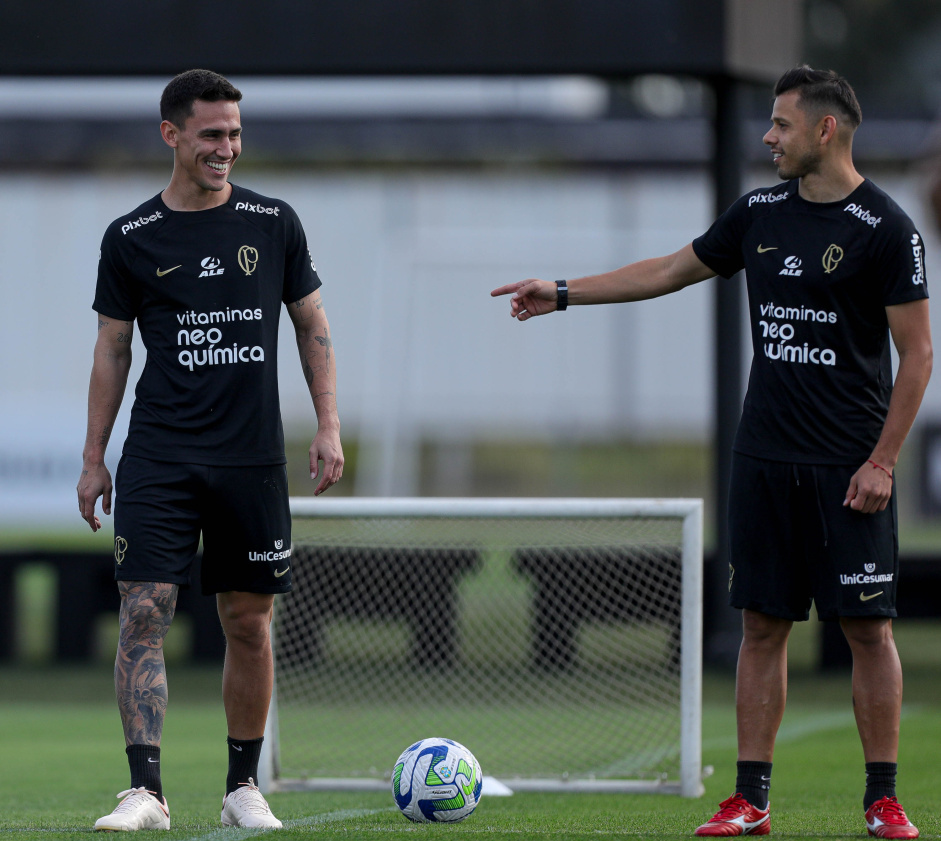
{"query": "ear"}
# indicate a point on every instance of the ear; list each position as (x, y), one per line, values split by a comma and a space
(170, 134)
(826, 129)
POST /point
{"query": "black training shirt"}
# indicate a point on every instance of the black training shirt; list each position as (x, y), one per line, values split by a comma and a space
(206, 288)
(819, 277)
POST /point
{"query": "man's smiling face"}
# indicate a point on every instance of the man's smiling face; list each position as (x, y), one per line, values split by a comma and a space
(208, 144)
(792, 138)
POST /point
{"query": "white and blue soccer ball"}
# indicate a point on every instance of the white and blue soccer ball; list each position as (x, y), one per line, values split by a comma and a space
(436, 780)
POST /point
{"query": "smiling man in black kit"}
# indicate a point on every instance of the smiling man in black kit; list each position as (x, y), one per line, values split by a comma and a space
(204, 268)
(834, 268)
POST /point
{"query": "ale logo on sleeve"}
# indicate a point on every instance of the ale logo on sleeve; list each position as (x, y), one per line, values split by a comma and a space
(248, 259)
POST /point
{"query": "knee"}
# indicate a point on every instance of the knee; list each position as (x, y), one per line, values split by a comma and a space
(249, 630)
(246, 621)
(765, 631)
(146, 610)
(868, 633)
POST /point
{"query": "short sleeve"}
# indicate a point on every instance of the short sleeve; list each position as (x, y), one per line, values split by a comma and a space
(300, 273)
(720, 248)
(117, 295)
(901, 264)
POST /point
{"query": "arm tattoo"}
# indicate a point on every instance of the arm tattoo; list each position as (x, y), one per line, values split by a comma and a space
(326, 343)
(105, 436)
(140, 677)
(303, 308)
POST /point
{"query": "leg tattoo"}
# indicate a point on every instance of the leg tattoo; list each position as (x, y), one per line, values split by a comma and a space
(140, 677)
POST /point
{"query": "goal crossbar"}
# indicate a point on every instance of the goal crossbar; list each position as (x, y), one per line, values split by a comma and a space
(688, 511)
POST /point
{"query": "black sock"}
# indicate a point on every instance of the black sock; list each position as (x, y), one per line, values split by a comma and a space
(753, 782)
(243, 762)
(880, 781)
(145, 768)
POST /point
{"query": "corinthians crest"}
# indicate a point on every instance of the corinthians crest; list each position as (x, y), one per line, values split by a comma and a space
(831, 258)
(248, 259)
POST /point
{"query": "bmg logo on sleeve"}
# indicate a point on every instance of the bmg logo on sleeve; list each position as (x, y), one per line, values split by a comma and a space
(918, 253)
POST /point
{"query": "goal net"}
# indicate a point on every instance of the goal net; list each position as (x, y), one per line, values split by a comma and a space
(559, 640)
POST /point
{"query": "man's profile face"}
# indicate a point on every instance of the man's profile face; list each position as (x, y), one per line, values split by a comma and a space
(792, 138)
(208, 143)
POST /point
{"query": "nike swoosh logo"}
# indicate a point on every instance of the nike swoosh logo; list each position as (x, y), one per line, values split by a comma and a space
(278, 574)
(237, 747)
(864, 598)
(152, 760)
(162, 273)
(761, 250)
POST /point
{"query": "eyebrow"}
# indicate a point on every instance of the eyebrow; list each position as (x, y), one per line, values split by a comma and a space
(237, 130)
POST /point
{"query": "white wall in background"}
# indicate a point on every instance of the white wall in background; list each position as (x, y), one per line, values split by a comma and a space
(408, 259)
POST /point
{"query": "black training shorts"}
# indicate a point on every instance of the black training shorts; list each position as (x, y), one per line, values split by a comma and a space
(792, 542)
(243, 514)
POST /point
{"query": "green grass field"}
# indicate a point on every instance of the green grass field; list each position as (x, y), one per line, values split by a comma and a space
(62, 759)
(62, 764)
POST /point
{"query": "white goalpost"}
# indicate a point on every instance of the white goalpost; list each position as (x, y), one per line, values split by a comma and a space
(559, 639)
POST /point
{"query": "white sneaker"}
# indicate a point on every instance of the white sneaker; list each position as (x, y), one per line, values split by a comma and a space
(246, 806)
(138, 810)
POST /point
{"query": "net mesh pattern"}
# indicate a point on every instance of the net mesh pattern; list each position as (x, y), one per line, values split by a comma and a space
(550, 647)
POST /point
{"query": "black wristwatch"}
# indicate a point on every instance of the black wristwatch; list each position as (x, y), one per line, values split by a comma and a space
(562, 292)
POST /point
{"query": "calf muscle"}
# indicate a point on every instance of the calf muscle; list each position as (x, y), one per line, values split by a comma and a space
(140, 677)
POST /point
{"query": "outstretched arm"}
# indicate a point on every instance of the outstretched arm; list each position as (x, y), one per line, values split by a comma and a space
(634, 282)
(316, 351)
(870, 489)
(112, 363)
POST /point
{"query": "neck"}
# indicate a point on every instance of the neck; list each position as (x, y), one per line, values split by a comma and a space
(830, 185)
(192, 197)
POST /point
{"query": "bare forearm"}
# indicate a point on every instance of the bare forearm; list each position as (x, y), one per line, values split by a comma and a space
(320, 375)
(317, 361)
(105, 394)
(315, 348)
(323, 387)
(636, 282)
(105, 391)
(640, 281)
(909, 389)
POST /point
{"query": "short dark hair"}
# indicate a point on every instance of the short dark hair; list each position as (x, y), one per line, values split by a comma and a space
(821, 90)
(176, 103)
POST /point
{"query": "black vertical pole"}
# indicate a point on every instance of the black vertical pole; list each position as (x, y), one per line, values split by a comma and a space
(722, 632)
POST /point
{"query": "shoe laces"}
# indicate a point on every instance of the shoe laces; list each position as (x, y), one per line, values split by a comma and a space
(731, 808)
(890, 811)
(133, 798)
(249, 797)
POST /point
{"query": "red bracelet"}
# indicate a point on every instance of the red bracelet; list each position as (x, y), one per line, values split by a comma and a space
(887, 473)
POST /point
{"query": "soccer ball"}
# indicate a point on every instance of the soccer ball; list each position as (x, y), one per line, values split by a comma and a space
(436, 780)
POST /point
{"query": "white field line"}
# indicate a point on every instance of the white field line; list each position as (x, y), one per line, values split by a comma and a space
(230, 833)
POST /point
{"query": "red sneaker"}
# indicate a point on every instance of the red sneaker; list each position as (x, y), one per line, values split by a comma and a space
(736, 816)
(886, 819)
